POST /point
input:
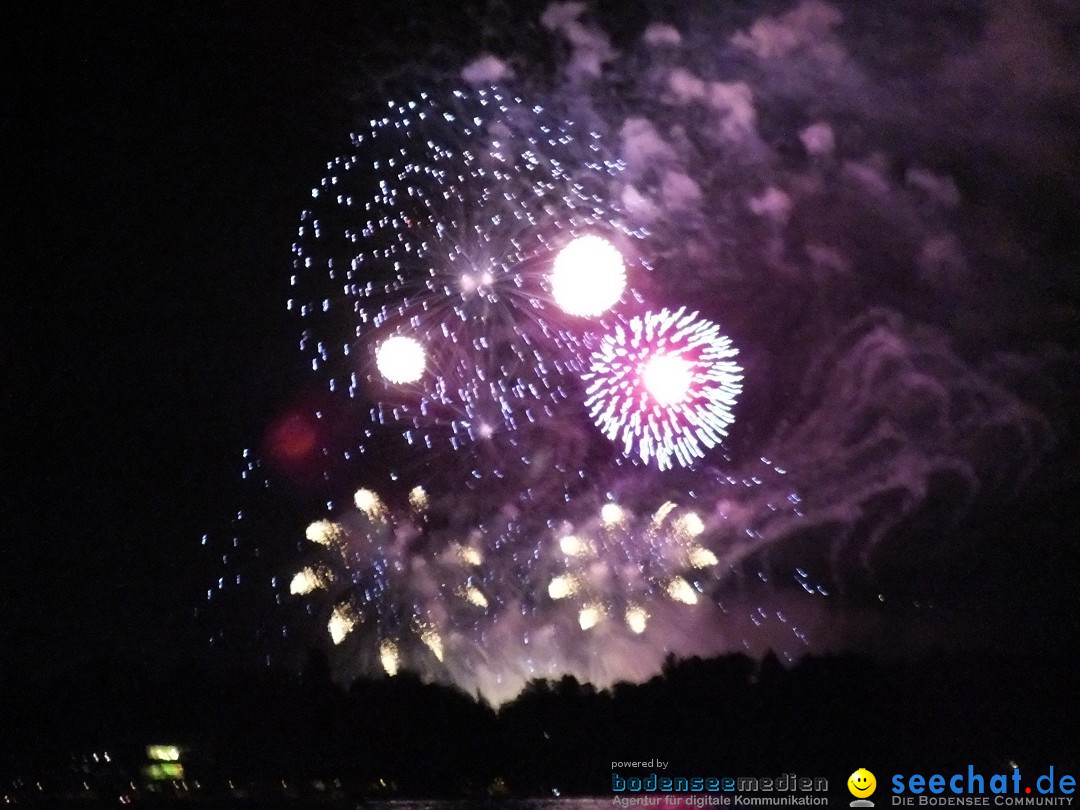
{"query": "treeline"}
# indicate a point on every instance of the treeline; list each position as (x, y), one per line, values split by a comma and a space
(729, 716)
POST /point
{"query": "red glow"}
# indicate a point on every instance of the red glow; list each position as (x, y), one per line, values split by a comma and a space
(291, 441)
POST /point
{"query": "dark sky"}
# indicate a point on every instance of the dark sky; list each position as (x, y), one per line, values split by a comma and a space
(160, 158)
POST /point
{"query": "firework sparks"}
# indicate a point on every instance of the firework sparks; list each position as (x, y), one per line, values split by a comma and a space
(484, 230)
(436, 248)
(342, 621)
(664, 386)
(322, 532)
(637, 619)
(306, 581)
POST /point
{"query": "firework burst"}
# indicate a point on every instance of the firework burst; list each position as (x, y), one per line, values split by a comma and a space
(425, 266)
(426, 587)
(467, 286)
(663, 386)
(458, 262)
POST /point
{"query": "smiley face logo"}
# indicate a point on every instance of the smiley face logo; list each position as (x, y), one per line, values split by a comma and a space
(861, 783)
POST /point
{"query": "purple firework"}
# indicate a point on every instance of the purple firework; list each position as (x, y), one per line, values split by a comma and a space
(664, 385)
(422, 265)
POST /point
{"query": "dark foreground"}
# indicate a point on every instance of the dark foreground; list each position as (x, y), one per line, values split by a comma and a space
(268, 736)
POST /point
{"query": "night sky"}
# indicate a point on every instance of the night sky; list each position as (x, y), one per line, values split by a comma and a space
(161, 157)
(158, 161)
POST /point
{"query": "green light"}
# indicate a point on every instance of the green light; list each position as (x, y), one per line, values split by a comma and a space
(164, 771)
(163, 753)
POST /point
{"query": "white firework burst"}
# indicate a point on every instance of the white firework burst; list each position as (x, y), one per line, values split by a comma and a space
(664, 385)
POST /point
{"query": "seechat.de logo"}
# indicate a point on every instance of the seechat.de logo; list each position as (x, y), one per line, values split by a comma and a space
(862, 785)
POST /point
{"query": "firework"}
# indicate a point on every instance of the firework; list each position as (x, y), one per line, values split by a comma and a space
(379, 592)
(481, 266)
(588, 276)
(425, 589)
(431, 267)
(400, 359)
(479, 233)
(664, 385)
